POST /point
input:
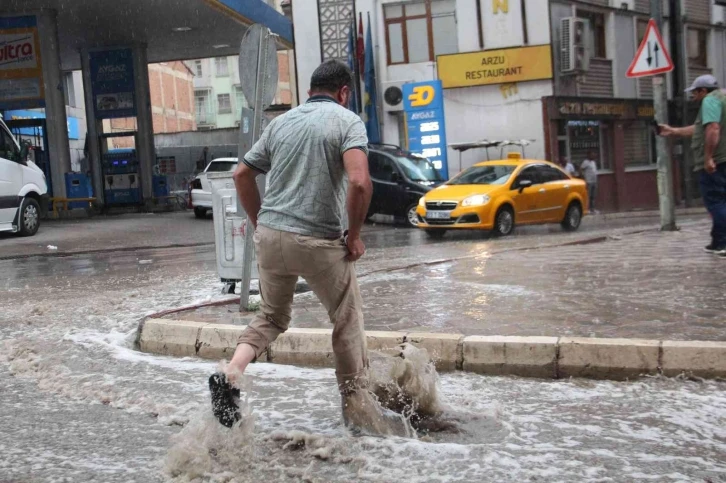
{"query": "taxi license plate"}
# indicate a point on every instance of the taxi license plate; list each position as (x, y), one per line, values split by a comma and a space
(438, 215)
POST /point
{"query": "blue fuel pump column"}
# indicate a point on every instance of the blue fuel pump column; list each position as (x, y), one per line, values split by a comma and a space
(116, 84)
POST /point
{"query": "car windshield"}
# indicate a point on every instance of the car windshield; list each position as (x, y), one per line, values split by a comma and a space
(497, 174)
(418, 169)
(221, 166)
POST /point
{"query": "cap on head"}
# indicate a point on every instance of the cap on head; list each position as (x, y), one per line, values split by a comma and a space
(703, 82)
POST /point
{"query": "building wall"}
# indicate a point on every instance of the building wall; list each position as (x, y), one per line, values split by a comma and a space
(171, 89)
(472, 113)
(216, 83)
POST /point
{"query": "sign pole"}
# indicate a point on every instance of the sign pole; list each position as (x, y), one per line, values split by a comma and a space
(665, 166)
(258, 76)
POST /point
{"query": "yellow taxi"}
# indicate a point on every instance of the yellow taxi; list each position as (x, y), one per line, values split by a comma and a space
(497, 195)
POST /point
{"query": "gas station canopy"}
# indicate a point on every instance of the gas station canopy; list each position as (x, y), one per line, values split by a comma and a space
(170, 29)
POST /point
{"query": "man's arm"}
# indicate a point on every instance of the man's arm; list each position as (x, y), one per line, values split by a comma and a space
(682, 132)
(713, 135)
(249, 195)
(360, 189)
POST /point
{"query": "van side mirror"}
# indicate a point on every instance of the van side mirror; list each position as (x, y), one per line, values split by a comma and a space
(524, 183)
(395, 177)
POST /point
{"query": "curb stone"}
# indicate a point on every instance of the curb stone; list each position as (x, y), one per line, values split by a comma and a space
(542, 357)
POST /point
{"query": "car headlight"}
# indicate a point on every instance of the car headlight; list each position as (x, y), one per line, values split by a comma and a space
(476, 200)
(421, 202)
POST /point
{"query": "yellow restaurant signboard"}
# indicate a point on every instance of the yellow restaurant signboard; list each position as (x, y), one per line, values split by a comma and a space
(499, 66)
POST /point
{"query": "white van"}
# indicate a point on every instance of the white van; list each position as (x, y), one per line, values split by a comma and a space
(23, 190)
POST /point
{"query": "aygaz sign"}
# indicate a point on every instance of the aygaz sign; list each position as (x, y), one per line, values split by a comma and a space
(495, 66)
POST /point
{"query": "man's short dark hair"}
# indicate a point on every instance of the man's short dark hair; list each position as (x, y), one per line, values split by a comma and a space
(331, 76)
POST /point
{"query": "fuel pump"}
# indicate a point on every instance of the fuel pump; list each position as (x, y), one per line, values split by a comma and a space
(120, 172)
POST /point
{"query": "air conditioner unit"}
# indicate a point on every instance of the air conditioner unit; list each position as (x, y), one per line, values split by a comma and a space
(623, 4)
(393, 95)
(718, 12)
(575, 54)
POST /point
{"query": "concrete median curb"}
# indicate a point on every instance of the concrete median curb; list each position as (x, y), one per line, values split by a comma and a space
(544, 357)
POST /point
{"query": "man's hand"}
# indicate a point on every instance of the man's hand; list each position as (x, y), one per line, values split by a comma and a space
(666, 131)
(356, 248)
(710, 166)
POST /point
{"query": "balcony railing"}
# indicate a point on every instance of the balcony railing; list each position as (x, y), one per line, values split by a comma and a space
(206, 116)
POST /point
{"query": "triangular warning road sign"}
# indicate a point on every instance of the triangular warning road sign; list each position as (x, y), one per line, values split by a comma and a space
(652, 56)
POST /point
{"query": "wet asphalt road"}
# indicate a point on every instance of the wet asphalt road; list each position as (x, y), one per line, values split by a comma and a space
(79, 404)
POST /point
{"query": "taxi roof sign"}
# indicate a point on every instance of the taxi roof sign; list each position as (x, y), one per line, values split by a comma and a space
(652, 56)
(514, 156)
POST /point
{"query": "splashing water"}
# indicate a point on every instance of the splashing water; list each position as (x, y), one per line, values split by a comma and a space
(409, 384)
(206, 447)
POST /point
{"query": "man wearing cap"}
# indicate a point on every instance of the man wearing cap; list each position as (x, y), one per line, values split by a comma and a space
(708, 142)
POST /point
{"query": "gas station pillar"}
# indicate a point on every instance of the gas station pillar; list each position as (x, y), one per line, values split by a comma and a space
(145, 137)
(58, 149)
(94, 150)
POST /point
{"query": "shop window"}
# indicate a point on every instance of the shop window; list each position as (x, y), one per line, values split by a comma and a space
(696, 41)
(224, 104)
(221, 67)
(419, 31)
(638, 145)
(596, 32)
(586, 137)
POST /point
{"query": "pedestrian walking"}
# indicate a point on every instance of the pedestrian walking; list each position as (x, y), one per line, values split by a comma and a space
(708, 143)
(316, 160)
(588, 169)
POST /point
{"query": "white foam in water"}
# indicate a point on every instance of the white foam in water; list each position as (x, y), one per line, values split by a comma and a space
(62, 353)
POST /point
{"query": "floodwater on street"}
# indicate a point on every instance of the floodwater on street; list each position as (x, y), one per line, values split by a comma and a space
(79, 404)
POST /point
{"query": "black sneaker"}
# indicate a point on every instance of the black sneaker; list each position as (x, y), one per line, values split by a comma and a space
(711, 248)
(224, 400)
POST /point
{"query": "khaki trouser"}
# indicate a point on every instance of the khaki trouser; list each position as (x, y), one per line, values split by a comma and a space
(282, 257)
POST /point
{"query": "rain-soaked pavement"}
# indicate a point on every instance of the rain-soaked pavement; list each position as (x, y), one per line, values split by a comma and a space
(79, 404)
(646, 284)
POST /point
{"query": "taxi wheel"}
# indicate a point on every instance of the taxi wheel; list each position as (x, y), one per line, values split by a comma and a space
(504, 221)
(573, 217)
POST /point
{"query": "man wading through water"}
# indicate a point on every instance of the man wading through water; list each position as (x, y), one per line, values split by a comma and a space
(708, 142)
(316, 161)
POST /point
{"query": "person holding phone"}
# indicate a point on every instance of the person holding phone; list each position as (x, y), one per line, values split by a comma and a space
(708, 143)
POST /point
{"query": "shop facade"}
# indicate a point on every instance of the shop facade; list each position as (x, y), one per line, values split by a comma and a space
(618, 133)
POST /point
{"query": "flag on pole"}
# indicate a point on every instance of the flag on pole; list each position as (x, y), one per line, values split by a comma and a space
(361, 46)
(370, 114)
(352, 50)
